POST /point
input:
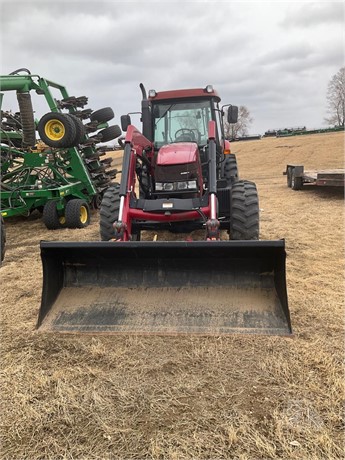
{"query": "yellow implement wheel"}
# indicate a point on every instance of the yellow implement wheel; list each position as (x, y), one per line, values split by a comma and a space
(77, 213)
(54, 130)
(57, 130)
(84, 215)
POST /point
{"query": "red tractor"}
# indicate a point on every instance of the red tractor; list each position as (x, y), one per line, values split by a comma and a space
(187, 176)
(178, 174)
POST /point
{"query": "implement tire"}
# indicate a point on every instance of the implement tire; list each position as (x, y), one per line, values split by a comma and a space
(244, 211)
(2, 239)
(102, 115)
(110, 133)
(50, 216)
(57, 130)
(79, 129)
(77, 213)
(109, 212)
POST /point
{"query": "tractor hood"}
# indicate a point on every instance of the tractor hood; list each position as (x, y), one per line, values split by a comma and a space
(178, 153)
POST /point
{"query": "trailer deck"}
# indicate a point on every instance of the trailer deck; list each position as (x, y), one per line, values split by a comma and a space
(297, 177)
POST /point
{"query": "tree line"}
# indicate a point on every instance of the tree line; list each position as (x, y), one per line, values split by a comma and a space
(335, 107)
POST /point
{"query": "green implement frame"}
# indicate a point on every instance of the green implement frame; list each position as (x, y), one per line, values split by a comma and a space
(33, 174)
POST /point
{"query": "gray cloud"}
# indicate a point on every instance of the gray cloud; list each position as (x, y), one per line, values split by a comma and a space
(312, 14)
(257, 54)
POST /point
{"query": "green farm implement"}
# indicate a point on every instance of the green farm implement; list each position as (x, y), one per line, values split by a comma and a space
(61, 174)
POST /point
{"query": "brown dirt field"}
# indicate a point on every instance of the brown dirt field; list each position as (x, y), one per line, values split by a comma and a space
(150, 397)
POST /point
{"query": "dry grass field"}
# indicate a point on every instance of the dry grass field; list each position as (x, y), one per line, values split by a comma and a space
(134, 397)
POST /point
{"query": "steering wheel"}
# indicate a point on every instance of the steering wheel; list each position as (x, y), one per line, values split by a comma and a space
(184, 134)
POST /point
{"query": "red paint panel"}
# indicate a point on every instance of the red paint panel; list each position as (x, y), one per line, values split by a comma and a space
(177, 153)
(173, 217)
(184, 93)
(134, 136)
(211, 129)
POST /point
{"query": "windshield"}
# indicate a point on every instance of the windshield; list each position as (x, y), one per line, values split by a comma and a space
(181, 122)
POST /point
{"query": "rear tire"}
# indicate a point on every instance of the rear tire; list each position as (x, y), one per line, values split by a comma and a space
(244, 211)
(109, 212)
(77, 213)
(50, 216)
(230, 171)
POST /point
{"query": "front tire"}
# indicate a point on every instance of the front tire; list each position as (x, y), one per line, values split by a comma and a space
(244, 211)
(109, 212)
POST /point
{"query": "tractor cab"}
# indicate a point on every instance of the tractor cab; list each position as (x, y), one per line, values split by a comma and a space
(176, 122)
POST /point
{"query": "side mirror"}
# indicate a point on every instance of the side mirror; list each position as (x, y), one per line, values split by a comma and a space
(125, 122)
(232, 114)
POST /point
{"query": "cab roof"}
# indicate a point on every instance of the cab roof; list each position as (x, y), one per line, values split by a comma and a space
(185, 94)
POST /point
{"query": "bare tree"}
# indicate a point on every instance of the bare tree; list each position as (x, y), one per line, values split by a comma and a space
(241, 127)
(336, 99)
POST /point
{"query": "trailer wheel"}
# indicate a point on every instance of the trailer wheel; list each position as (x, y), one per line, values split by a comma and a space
(102, 115)
(289, 177)
(77, 213)
(2, 239)
(230, 171)
(244, 211)
(109, 212)
(296, 182)
(110, 133)
(79, 128)
(57, 130)
(50, 216)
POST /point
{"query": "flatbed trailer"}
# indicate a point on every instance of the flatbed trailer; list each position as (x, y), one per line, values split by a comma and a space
(297, 177)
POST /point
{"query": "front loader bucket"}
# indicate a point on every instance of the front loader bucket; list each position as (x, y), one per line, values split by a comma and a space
(208, 287)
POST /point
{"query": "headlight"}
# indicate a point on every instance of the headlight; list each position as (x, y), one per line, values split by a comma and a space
(171, 186)
(182, 185)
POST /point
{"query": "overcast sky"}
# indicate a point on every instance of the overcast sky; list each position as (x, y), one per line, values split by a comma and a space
(276, 58)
